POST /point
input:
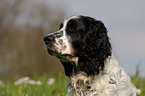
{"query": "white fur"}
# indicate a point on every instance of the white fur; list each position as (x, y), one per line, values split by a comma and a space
(112, 81)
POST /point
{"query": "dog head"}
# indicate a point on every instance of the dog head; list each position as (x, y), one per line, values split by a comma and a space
(81, 44)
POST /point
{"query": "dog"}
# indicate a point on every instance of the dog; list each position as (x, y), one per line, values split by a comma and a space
(84, 49)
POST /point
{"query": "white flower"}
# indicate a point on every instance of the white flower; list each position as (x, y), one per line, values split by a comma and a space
(51, 81)
(1, 83)
(38, 83)
(22, 80)
(31, 82)
(138, 91)
(26, 80)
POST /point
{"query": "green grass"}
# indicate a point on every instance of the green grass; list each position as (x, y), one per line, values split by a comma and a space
(139, 83)
(56, 89)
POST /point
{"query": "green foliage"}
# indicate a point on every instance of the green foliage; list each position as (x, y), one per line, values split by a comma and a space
(139, 82)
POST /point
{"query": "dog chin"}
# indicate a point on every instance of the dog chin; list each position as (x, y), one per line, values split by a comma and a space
(62, 57)
(51, 52)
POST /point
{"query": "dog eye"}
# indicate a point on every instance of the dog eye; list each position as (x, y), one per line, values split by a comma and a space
(71, 29)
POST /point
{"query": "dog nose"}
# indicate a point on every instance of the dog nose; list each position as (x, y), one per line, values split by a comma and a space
(49, 39)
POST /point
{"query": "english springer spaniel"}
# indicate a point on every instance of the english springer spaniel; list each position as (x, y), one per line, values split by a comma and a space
(84, 49)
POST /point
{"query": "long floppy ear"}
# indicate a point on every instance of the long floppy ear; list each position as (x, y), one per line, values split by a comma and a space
(95, 47)
(68, 68)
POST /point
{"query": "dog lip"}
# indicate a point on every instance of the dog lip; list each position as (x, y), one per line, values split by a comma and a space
(49, 47)
(68, 55)
(64, 57)
(47, 42)
(50, 50)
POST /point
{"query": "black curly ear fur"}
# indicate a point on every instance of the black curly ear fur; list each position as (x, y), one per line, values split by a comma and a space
(95, 47)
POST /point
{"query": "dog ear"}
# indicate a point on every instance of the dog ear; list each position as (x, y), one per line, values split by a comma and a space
(95, 47)
(68, 68)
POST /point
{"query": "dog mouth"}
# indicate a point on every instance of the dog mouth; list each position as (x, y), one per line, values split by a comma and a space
(52, 51)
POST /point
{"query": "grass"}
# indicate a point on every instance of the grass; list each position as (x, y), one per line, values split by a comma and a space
(139, 83)
(58, 88)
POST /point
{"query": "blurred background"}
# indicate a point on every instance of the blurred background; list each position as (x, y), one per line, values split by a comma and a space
(24, 23)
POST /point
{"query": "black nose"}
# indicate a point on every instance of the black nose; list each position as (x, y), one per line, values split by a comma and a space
(49, 39)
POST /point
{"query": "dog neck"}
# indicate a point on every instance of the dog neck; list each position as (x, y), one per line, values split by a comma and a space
(108, 79)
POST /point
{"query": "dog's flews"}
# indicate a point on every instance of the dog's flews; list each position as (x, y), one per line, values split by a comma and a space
(83, 47)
